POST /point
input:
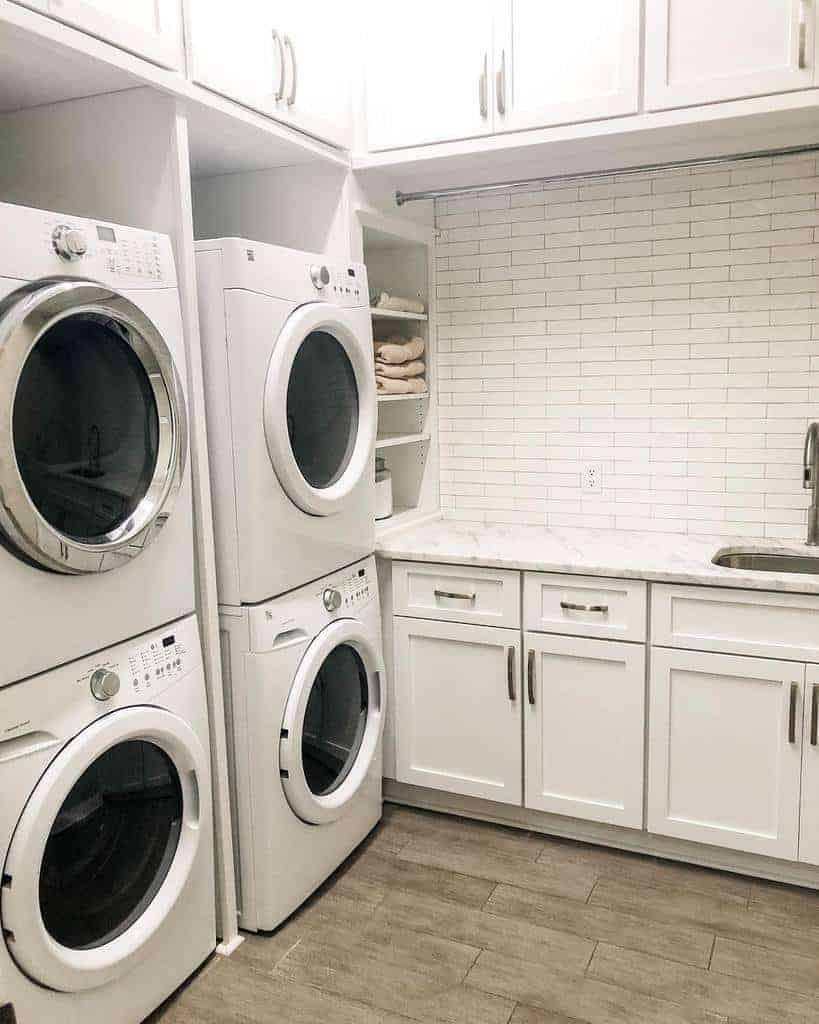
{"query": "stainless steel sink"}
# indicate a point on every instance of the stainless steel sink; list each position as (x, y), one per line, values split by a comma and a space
(767, 561)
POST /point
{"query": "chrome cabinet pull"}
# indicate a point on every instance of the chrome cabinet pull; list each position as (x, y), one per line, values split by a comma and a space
(801, 61)
(277, 39)
(483, 80)
(510, 673)
(530, 677)
(570, 606)
(792, 713)
(288, 42)
(814, 715)
(500, 85)
(454, 595)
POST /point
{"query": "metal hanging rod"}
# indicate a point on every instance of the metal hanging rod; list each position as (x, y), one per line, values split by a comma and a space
(502, 186)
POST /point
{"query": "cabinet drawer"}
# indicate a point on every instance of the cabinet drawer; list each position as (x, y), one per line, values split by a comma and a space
(584, 606)
(736, 621)
(457, 593)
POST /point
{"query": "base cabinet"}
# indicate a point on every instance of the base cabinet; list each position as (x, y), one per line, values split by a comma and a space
(583, 728)
(457, 693)
(725, 750)
(809, 818)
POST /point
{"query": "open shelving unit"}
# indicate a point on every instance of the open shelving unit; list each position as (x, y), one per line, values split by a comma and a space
(398, 256)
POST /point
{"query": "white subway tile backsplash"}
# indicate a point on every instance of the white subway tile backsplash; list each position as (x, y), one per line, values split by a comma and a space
(665, 326)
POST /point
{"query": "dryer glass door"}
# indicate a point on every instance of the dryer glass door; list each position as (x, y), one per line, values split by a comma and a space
(103, 849)
(320, 408)
(332, 723)
(97, 426)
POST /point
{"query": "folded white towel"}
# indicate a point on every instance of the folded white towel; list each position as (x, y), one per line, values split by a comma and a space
(398, 303)
(400, 370)
(394, 386)
(399, 350)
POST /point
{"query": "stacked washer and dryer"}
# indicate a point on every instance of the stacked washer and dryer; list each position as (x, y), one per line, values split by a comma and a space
(290, 392)
(106, 846)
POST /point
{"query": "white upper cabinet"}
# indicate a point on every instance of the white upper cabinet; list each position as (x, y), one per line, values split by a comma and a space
(557, 63)
(725, 750)
(148, 28)
(698, 51)
(281, 59)
(428, 71)
(809, 822)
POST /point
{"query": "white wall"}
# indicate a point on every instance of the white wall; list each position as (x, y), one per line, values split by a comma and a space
(664, 326)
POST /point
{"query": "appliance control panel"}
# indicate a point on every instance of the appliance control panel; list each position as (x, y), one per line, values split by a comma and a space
(354, 590)
(345, 284)
(45, 244)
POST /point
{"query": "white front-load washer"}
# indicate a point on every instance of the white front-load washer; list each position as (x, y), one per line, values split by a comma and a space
(291, 405)
(107, 900)
(304, 681)
(96, 535)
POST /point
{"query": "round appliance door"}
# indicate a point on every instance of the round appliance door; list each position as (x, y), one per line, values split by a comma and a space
(93, 428)
(103, 849)
(332, 723)
(320, 409)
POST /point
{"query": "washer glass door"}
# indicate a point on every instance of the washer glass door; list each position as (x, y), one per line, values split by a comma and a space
(97, 429)
(332, 723)
(320, 408)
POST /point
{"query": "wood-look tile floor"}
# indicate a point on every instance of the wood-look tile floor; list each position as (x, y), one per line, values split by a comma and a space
(438, 919)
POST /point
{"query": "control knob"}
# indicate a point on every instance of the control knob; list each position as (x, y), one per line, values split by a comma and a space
(332, 599)
(104, 684)
(319, 275)
(69, 243)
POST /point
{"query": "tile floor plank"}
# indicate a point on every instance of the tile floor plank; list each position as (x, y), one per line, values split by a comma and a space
(414, 824)
(769, 966)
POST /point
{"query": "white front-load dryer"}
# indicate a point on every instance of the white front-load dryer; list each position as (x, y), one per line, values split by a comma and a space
(96, 535)
(107, 900)
(304, 678)
(291, 405)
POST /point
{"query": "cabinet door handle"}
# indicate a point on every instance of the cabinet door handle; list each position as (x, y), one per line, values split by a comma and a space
(570, 606)
(277, 39)
(288, 42)
(792, 713)
(801, 60)
(510, 673)
(814, 715)
(454, 595)
(530, 677)
(482, 87)
(500, 85)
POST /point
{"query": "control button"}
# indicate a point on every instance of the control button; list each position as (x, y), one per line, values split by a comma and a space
(68, 242)
(104, 684)
(331, 599)
(319, 275)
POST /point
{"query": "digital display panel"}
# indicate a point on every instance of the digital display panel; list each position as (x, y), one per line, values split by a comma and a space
(168, 641)
(105, 234)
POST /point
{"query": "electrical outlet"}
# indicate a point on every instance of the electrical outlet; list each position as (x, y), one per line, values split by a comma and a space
(591, 478)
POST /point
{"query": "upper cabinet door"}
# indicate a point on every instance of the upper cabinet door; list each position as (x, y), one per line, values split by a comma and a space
(698, 51)
(557, 63)
(149, 28)
(270, 57)
(428, 72)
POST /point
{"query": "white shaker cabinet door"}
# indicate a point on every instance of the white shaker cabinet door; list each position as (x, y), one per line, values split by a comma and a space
(698, 51)
(809, 818)
(558, 63)
(584, 727)
(149, 28)
(458, 700)
(428, 71)
(725, 750)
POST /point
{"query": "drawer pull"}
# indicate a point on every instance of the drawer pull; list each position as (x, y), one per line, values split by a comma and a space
(814, 715)
(530, 677)
(510, 673)
(792, 713)
(569, 606)
(454, 595)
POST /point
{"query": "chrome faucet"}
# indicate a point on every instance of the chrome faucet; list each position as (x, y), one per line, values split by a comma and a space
(810, 480)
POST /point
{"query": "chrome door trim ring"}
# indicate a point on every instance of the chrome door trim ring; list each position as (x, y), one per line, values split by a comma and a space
(25, 315)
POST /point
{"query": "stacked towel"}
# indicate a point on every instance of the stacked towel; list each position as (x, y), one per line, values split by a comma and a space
(398, 370)
(397, 303)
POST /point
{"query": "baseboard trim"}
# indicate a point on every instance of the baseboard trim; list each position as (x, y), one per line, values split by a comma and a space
(632, 840)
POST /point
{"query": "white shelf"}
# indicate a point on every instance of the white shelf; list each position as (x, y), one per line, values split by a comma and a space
(417, 396)
(392, 440)
(395, 314)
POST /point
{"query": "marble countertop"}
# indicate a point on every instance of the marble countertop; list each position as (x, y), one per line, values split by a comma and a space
(664, 557)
